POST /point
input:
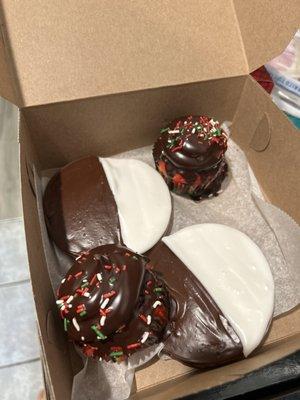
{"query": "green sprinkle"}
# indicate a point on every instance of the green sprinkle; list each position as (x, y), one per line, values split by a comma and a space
(98, 333)
(83, 313)
(112, 280)
(217, 133)
(158, 289)
(66, 322)
(164, 130)
(116, 353)
(182, 130)
(85, 285)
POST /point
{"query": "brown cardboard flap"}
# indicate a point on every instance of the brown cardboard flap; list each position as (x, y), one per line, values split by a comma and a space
(7, 89)
(271, 146)
(70, 50)
(266, 27)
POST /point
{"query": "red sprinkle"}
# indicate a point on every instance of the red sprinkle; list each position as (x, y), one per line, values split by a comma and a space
(64, 298)
(116, 348)
(178, 179)
(117, 270)
(143, 318)
(149, 283)
(108, 267)
(69, 277)
(93, 279)
(80, 308)
(78, 274)
(133, 346)
(124, 267)
(109, 294)
(146, 291)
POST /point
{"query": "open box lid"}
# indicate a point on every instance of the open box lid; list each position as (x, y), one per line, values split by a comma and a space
(57, 50)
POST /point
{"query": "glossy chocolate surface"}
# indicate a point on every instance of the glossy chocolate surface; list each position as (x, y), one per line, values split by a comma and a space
(111, 304)
(200, 335)
(189, 154)
(79, 207)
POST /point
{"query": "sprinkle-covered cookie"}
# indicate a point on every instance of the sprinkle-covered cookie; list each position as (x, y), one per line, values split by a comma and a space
(111, 304)
(189, 154)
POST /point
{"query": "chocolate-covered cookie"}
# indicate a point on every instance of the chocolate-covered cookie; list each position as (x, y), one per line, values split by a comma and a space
(223, 290)
(189, 154)
(95, 201)
(112, 305)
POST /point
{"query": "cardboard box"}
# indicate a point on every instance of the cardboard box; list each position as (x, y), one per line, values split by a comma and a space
(102, 76)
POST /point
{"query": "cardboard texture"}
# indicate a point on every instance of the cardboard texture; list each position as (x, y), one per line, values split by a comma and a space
(111, 49)
(129, 70)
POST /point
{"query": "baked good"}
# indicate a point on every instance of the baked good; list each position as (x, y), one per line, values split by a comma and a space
(95, 201)
(223, 289)
(111, 304)
(189, 154)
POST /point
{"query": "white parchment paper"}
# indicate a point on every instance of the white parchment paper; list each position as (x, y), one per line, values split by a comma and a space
(240, 205)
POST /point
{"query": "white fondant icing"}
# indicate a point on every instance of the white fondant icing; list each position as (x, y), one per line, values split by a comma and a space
(234, 271)
(143, 200)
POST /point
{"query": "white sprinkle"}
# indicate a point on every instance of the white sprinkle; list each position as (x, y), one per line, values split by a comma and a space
(63, 307)
(84, 280)
(156, 304)
(220, 191)
(99, 277)
(86, 294)
(59, 302)
(63, 280)
(70, 299)
(174, 131)
(145, 337)
(104, 304)
(193, 130)
(210, 195)
(213, 130)
(70, 306)
(185, 122)
(102, 320)
(149, 319)
(82, 338)
(100, 359)
(75, 323)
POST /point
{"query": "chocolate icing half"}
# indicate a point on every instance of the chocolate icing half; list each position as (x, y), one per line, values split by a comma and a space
(112, 304)
(200, 335)
(80, 209)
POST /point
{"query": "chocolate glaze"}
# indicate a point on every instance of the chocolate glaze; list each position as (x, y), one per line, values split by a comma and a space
(199, 334)
(112, 305)
(80, 209)
(189, 155)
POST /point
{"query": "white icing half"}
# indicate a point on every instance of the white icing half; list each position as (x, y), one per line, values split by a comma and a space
(143, 200)
(234, 271)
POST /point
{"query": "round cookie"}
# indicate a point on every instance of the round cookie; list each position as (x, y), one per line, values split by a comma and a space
(189, 154)
(224, 294)
(92, 202)
(111, 304)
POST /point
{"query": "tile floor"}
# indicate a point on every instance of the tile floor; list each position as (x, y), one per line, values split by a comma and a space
(20, 365)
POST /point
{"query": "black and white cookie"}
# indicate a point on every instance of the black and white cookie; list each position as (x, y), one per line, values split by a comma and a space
(223, 289)
(95, 201)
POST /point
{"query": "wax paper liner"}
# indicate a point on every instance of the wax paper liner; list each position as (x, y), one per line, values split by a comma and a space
(242, 206)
